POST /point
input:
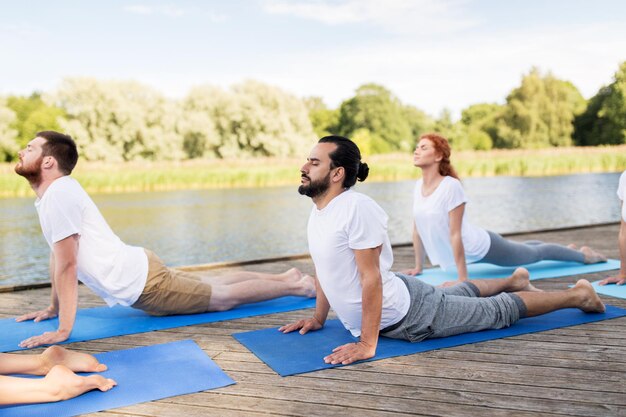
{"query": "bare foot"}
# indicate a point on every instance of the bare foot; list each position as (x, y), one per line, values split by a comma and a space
(572, 246)
(591, 256)
(65, 384)
(75, 361)
(306, 286)
(520, 279)
(292, 275)
(590, 303)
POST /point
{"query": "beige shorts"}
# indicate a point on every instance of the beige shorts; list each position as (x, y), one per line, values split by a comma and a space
(169, 291)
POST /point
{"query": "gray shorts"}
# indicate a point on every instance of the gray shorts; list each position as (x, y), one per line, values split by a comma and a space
(440, 312)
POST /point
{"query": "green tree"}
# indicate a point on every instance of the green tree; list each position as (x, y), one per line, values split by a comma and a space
(8, 135)
(419, 122)
(251, 119)
(33, 115)
(539, 113)
(269, 121)
(604, 119)
(376, 109)
(119, 120)
(205, 121)
(324, 120)
(479, 121)
(454, 132)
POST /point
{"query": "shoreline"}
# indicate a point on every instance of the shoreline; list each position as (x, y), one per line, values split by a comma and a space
(146, 176)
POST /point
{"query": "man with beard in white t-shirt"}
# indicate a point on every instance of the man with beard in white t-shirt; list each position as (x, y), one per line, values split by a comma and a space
(83, 247)
(347, 234)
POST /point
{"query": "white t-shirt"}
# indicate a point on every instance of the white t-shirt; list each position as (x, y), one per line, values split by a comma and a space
(353, 221)
(113, 270)
(621, 193)
(431, 215)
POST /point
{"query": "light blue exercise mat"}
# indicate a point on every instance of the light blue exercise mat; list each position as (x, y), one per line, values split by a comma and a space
(101, 322)
(142, 374)
(538, 270)
(293, 353)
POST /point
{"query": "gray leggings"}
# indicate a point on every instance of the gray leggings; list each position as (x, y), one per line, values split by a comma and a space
(505, 252)
(440, 312)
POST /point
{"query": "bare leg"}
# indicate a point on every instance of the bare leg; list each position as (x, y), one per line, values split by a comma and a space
(42, 363)
(225, 297)
(581, 296)
(519, 281)
(60, 384)
(292, 274)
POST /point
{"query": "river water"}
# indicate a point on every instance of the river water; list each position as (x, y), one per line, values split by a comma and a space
(202, 226)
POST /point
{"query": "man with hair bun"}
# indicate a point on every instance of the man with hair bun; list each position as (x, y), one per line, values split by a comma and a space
(348, 241)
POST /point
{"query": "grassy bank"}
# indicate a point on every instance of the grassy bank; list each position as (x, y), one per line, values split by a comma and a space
(266, 172)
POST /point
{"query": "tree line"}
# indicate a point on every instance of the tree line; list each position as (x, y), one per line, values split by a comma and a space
(126, 120)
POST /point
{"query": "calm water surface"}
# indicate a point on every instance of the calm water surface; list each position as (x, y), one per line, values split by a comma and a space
(191, 227)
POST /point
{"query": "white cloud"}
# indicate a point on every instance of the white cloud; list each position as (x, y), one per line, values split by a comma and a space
(162, 10)
(396, 16)
(173, 11)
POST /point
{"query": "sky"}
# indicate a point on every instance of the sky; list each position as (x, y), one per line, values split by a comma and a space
(432, 54)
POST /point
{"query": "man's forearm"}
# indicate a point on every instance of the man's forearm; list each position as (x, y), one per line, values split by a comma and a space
(372, 303)
(67, 293)
(54, 299)
(322, 306)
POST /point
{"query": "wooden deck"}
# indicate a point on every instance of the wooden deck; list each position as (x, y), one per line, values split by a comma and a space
(575, 371)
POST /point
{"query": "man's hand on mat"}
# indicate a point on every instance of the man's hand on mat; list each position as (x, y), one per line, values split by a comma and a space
(48, 338)
(617, 279)
(412, 271)
(304, 325)
(36, 316)
(350, 352)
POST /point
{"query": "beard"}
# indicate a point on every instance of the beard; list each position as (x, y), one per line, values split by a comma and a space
(315, 188)
(32, 173)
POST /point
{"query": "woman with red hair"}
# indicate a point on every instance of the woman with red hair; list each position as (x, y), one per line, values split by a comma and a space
(441, 231)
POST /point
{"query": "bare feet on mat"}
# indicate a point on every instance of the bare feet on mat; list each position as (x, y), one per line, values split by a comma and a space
(306, 286)
(590, 302)
(591, 256)
(75, 361)
(65, 384)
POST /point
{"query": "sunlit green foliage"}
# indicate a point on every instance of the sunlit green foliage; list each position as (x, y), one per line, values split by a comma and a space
(325, 121)
(376, 109)
(539, 113)
(33, 115)
(604, 120)
(8, 135)
(119, 120)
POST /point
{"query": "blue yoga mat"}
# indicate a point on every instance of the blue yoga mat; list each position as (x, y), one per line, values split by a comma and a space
(101, 322)
(538, 270)
(142, 374)
(293, 353)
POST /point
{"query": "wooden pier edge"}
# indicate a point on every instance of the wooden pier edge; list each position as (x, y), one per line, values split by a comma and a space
(229, 264)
